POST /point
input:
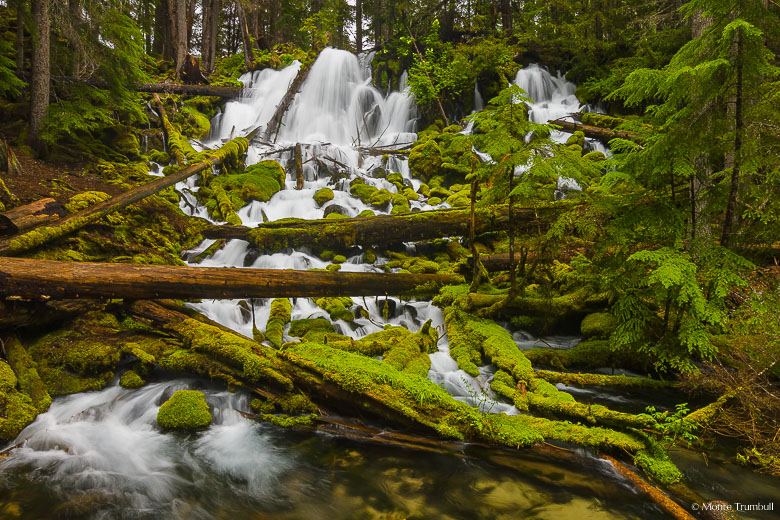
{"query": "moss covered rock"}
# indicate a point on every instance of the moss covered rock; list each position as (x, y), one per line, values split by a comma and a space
(598, 325)
(185, 410)
(131, 379)
(337, 307)
(323, 195)
(425, 160)
(86, 199)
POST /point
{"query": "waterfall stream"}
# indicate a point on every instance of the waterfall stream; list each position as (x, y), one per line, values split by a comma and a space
(102, 455)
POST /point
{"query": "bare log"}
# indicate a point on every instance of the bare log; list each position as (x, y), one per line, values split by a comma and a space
(275, 122)
(43, 234)
(596, 132)
(26, 217)
(30, 278)
(381, 229)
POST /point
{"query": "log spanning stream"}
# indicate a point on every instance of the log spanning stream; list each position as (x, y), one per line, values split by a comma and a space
(101, 454)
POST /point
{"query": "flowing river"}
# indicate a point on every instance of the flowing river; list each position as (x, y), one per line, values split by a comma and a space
(102, 455)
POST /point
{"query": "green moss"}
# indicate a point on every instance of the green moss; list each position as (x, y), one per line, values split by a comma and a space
(311, 329)
(281, 309)
(400, 204)
(16, 412)
(588, 354)
(337, 307)
(658, 467)
(86, 199)
(460, 199)
(131, 379)
(576, 139)
(369, 256)
(595, 156)
(598, 325)
(602, 120)
(27, 375)
(434, 201)
(259, 182)
(287, 421)
(323, 195)
(622, 381)
(185, 410)
(7, 377)
(366, 213)
(425, 160)
(339, 259)
(381, 198)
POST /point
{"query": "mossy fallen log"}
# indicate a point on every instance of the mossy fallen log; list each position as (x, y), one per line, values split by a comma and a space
(26, 217)
(42, 234)
(579, 378)
(172, 136)
(381, 229)
(596, 132)
(191, 90)
(27, 374)
(51, 279)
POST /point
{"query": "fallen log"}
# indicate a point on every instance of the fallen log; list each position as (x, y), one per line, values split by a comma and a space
(170, 133)
(381, 229)
(26, 217)
(596, 132)
(272, 129)
(46, 233)
(36, 279)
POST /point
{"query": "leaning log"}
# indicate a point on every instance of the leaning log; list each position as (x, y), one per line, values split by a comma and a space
(43, 234)
(169, 132)
(276, 120)
(382, 229)
(596, 132)
(31, 215)
(34, 279)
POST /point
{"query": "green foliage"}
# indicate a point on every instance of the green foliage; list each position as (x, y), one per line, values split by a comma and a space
(676, 427)
(10, 84)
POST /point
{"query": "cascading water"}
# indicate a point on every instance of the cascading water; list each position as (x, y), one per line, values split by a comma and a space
(102, 455)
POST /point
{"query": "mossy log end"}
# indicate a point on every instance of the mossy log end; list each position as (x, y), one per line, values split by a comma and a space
(51, 279)
(26, 217)
(43, 234)
(596, 132)
(381, 229)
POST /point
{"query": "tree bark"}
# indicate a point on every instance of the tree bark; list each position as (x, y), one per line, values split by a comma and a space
(51, 279)
(506, 16)
(380, 230)
(211, 11)
(69, 224)
(298, 160)
(275, 122)
(731, 206)
(20, 38)
(26, 217)
(358, 26)
(41, 74)
(249, 56)
(596, 132)
(177, 12)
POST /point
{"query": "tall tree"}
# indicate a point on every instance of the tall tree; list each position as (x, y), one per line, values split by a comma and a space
(210, 31)
(358, 26)
(41, 72)
(178, 32)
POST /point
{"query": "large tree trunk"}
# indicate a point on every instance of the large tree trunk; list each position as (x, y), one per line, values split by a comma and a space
(43, 234)
(51, 279)
(20, 37)
(249, 56)
(506, 16)
(177, 12)
(41, 75)
(358, 26)
(731, 206)
(380, 230)
(211, 11)
(160, 44)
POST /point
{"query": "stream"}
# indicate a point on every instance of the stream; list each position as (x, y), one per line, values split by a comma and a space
(102, 455)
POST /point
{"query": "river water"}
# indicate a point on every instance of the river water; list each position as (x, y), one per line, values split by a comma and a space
(101, 454)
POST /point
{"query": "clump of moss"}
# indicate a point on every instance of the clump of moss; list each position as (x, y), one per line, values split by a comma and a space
(185, 410)
(259, 182)
(86, 199)
(281, 309)
(131, 379)
(311, 329)
(337, 307)
(288, 421)
(323, 195)
(598, 325)
(658, 466)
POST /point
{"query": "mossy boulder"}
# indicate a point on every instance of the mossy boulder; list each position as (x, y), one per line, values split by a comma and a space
(323, 195)
(311, 329)
(337, 308)
(400, 204)
(577, 138)
(131, 379)
(595, 156)
(425, 160)
(7, 377)
(185, 410)
(86, 199)
(598, 325)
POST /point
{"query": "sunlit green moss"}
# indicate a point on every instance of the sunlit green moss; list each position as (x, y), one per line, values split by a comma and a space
(185, 410)
(280, 316)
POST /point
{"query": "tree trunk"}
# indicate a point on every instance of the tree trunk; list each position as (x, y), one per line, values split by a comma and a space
(731, 206)
(20, 38)
(298, 162)
(177, 11)
(249, 56)
(51, 279)
(211, 11)
(379, 230)
(506, 16)
(160, 45)
(41, 74)
(69, 224)
(31, 215)
(358, 26)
